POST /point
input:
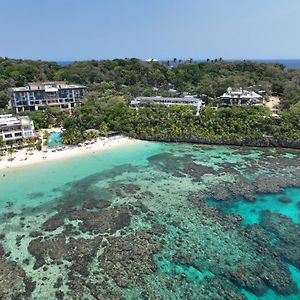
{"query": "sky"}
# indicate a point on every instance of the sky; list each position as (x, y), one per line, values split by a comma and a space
(64, 30)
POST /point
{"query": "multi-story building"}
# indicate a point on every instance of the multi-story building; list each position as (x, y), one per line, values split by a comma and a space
(13, 129)
(240, 98)
(37, 96)
(187, 100)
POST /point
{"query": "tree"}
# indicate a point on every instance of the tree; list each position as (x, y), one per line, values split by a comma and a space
(2, 144)
(10, 151)
(103, 129)
(31, 143)
(46, 136)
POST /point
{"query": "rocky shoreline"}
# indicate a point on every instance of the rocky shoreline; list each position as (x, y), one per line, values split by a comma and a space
(267, 142)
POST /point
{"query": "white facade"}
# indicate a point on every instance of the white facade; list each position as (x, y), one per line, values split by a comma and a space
(187, 100)
(240, 97)
(13, 129)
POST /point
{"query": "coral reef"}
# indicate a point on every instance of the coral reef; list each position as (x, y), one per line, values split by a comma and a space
(173, 226)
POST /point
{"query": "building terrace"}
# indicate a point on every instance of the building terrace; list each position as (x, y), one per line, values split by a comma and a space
(15, 128)
(240, 97)
(198, 103)
(39, 95)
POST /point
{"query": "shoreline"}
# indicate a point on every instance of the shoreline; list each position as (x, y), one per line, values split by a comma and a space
(21, 159)
(266, 143)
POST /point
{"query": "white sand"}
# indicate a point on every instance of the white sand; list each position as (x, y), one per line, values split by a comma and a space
(42, 157)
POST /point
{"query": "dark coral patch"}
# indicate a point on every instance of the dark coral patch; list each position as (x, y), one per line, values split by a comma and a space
(77, 251)
(14, 284)
(95, 204)
(53, 223)
(102, 221)
(129, 259)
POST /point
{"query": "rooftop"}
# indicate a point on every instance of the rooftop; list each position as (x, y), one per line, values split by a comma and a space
(171, 99)
(240, 93)
(9, 120)
(49, 86)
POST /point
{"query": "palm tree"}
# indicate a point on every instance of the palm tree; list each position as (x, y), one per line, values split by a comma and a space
(10, 151)
(103, 129)
(2, 144)
(1, 153)
(31, 142)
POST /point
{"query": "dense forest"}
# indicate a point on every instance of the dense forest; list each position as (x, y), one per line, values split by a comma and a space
(111, 84)
(132, 77)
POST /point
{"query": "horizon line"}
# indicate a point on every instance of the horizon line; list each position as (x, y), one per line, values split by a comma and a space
(144, 59)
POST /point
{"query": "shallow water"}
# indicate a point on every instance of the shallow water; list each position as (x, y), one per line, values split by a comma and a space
(153, 221)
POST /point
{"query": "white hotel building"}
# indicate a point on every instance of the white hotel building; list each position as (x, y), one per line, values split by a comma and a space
(166, 101)
(13, 129)
(240, 97)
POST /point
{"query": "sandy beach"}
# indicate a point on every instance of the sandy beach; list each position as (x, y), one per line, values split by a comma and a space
(24, 157)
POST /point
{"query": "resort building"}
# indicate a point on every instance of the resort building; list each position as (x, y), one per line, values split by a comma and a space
(240, 98)
(37, 96)
(13, 129)
(187, 100)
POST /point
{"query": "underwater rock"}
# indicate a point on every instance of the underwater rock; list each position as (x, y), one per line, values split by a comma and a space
(129, 258)
(196, 171)
(59, 295)
(9, 215)
(13, 281)
(58, 283)
(2, 251)
(102, 221)
(19, 240)
(147, 194)
(35, 233)
(243, 279)
(220, 289)
(285, 200)
(123, 190)
(77, 251)
(287, 233)
(53, 223)
(94, 203)
(29, 286)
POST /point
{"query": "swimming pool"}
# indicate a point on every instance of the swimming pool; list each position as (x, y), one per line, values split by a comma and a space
(55, 140)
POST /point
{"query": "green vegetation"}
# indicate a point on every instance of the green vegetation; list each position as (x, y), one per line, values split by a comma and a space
(175, 123)
(111, 84)
(131, 77)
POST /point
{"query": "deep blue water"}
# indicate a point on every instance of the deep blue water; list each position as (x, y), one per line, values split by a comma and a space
(64, 63)
(288, 63)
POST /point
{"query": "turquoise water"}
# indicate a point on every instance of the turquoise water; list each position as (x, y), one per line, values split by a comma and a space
(251, 212)
(55, 140)
(153, 221)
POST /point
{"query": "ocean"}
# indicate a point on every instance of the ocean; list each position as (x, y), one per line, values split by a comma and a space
(153, 221)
